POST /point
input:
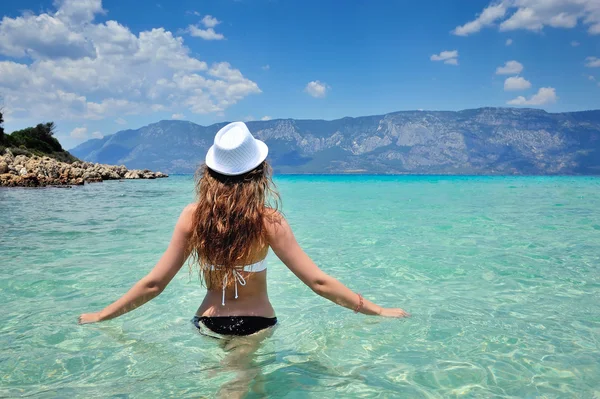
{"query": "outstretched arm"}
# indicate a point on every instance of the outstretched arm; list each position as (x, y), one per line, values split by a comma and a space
(285, 246)
(154, 282)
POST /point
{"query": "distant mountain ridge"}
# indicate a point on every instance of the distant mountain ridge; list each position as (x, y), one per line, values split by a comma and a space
(475, 141)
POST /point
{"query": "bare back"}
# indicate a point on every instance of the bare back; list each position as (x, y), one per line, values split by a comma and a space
(252, 298)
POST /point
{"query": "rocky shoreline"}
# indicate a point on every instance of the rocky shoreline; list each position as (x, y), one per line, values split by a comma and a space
(34, 171)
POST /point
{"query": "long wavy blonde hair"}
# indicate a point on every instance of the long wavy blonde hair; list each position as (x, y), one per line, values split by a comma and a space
(228, 223)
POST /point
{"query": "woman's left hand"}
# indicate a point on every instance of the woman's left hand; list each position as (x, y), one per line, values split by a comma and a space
(89, 318)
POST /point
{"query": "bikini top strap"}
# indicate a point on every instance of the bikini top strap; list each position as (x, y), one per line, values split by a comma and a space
(237, 277)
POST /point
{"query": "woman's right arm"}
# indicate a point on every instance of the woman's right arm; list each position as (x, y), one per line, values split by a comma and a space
(285, 246)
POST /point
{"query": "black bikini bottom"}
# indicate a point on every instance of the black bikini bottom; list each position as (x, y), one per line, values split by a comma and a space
(234, 325)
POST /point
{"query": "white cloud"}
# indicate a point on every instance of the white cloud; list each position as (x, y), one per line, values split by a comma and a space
(78, 11)
(249, 118)
(41, 36)
(534, 15)
(316, 89)
(449, 57)
(510, 68)
(120, 121)
(13, 75)
(266, 118)
(487, 17)
(516, 83)
(575, 43)
(592, 62)
(509, 42)
(50, 35)
(74, 68)
(206, 34)
(545, 95)
(210, 22)
(266, 67)
(79, 133)
(177, 116)
(97, 135)
(209, 33)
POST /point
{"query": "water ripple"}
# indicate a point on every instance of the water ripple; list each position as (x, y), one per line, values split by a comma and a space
(501, 276)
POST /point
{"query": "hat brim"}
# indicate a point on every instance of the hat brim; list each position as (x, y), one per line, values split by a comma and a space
(211, 162)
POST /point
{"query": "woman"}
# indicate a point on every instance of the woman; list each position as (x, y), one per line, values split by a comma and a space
(228, 232)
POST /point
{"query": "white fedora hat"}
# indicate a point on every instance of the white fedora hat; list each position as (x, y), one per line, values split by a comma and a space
(235, 150)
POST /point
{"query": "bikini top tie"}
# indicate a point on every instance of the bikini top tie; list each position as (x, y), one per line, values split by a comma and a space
(238, 278)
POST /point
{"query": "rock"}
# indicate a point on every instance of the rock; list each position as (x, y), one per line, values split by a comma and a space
(23, 171)
(20, 159)
(132, 174)
(76, 172)
(8, 155)
(5, 179)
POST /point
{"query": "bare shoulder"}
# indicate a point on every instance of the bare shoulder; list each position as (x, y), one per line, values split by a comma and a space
(190, 209)
(275, 223)
(186, 217)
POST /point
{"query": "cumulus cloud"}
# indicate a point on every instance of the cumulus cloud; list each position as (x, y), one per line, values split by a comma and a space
(120, 121)
(488, 16)
(266, 118)
(534, 15)
(510, 68)
(42, 36)
(206, 34)
(79, 133)
(177, 116)
(209, 33)
(72, 67)
(509, 42)
(592, 62)
(545, 95)
(316, 89)
(209, 21)
(78, 11)
(266, 67)
(575, 43)
(97, 135)
(449, 57)
(516, 83)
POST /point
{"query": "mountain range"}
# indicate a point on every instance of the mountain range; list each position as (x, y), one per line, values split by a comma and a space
(475, 141)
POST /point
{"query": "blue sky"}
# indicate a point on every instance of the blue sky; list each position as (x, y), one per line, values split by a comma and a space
(96, 67)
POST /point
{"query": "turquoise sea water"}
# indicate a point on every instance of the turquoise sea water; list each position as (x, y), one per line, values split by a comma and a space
(501, 275)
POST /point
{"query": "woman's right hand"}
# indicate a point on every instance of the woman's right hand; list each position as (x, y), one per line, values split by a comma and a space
(393, 312)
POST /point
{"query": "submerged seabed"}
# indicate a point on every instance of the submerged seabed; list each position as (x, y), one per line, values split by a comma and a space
(502, 276)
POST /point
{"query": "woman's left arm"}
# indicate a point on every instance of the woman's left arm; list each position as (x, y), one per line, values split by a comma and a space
(154, 282)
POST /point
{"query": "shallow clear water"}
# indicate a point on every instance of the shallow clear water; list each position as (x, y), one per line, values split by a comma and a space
(501, 275)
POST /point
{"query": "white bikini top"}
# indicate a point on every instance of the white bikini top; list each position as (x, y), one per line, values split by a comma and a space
(253, 268)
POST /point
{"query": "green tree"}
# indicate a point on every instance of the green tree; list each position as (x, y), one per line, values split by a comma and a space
(39, 138)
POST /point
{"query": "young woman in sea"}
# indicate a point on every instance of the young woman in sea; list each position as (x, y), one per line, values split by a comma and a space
(228, 233)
